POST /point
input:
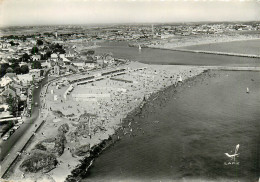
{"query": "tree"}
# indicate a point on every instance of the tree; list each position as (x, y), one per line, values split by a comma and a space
(24, 69)
(17, 70)
(25, 57)
(12, 103)
(34, 50)
(61, 51)
(48, 54)
(39, 42)
(90, 52)
(12, 43)
(57, 48)
(14, 61)
(36, 65)
(3, 69)
(9, 70)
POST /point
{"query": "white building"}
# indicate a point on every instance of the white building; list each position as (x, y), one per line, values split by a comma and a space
(5, 80)
(54, 57)
(25, 79)
(80, 65)
(36, 57)
(36, 73)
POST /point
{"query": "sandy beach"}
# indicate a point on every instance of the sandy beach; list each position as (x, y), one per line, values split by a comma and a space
(91, 113)
(178, 42)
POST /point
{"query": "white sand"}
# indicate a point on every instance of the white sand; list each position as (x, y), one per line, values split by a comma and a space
(201, 39)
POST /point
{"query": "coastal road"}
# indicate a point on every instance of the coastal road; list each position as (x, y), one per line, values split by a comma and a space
(28, 125)
(13, 140)
(7, 146)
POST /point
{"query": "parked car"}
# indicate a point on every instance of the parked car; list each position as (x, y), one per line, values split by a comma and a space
(6, 136)
(20, 122)
(16, 127)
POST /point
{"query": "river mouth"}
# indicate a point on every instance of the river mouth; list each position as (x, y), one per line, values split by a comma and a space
(184, 133)
(171, 57)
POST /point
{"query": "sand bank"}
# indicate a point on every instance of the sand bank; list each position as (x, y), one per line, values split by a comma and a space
(179, 42)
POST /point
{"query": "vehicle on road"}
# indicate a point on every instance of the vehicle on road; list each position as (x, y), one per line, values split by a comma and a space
(6, 136)
(20, 121)
(11, 131)
(16, 127)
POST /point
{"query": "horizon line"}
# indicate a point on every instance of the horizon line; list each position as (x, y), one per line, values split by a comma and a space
(131, 23)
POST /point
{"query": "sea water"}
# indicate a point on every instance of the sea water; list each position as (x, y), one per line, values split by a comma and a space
(184, 133)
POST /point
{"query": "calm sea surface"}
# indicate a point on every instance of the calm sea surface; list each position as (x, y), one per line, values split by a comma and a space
(184, 133)
(157, 56)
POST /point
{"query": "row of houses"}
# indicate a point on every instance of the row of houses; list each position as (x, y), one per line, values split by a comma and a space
(18, 86)
(62, 63)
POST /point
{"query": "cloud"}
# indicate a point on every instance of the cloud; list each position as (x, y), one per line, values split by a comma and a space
(40, 12)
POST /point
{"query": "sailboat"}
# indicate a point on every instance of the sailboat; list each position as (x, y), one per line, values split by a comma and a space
(247, 90)
(139, 47)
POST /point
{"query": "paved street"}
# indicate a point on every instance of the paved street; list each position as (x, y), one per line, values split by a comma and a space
(18, 140)
(6, 146)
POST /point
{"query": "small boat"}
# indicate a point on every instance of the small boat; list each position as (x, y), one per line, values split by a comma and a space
(179, 79)
(139, 47)
(247, 90)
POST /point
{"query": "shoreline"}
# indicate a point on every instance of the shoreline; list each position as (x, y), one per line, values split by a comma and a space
(193, 41)
(149, 108)
(62, 171)
(84, 163)
(82, 171)
(183, 49)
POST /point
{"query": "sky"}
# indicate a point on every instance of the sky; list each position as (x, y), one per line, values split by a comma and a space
(52, 12)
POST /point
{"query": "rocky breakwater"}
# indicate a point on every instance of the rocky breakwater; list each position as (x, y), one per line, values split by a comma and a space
(82, 170)
(43, 158)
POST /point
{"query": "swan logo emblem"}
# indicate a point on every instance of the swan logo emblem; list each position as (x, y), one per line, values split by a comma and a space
(233, 157)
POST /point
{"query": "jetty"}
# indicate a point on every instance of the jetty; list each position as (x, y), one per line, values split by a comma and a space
(219, 53)
(232, 68)
(210, 52)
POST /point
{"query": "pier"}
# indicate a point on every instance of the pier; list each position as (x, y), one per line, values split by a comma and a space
(232, 68)
(210, 52)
